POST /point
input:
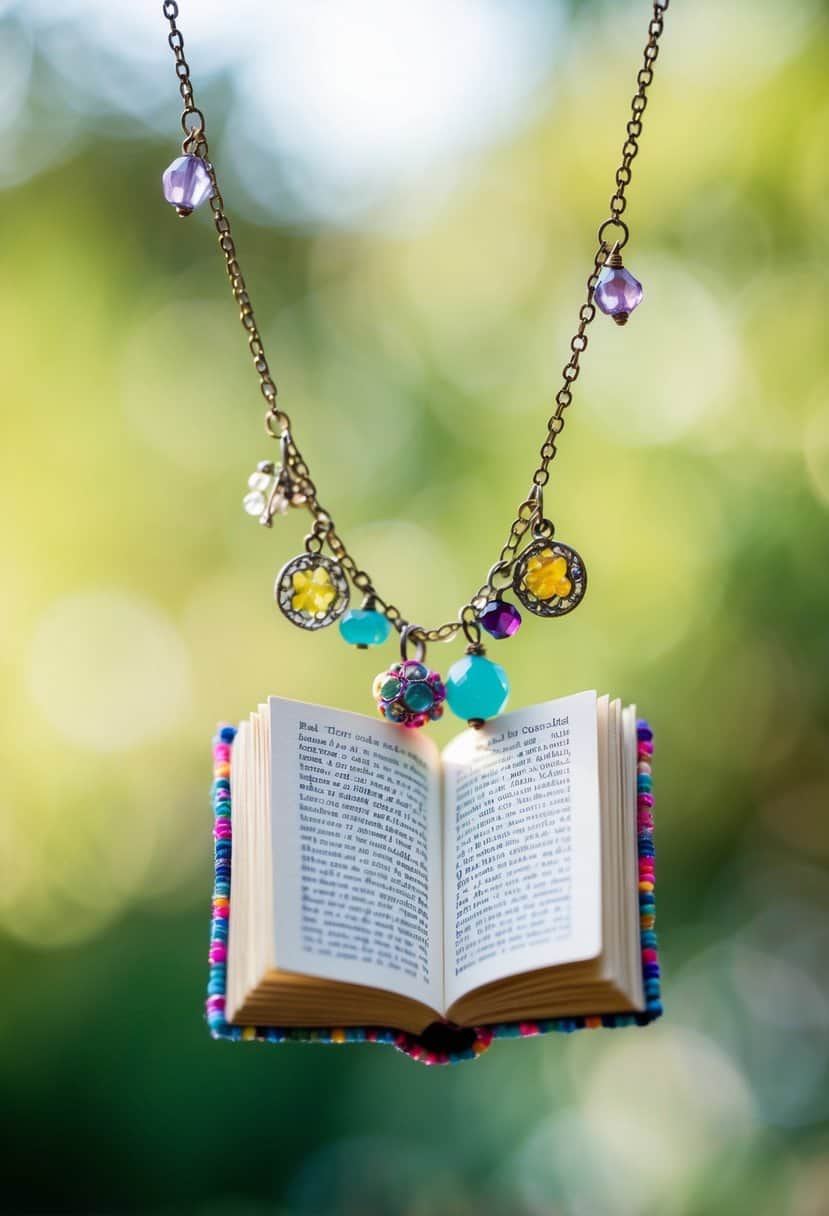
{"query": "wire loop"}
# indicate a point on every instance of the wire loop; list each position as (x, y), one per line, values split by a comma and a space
(407, 634)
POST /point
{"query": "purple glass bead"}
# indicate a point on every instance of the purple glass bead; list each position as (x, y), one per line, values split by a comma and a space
(617, 292)
(186, 183)
(500, 619)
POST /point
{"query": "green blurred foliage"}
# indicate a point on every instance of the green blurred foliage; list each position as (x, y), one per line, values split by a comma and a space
(418, 366)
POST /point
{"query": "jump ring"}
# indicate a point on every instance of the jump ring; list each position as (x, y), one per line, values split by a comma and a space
(420, 645)
(472, 632)
(614, 222)
(195, 128)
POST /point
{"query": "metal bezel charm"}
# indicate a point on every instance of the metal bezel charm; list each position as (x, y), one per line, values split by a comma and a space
(553, 604)
(295, 578)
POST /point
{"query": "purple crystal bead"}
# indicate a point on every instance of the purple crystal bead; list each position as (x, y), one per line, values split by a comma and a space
(186, 183)
(617, 292)
(500, 619)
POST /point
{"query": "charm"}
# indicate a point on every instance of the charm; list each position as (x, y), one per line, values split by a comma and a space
(364, 627)
(500, 619)
(549, 578)
(409, 694)
(271, 491)
(476, 688)
(617, 292)
(312, 591)
(186, 183)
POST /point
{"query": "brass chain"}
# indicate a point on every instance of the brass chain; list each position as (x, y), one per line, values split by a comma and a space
(530, 516)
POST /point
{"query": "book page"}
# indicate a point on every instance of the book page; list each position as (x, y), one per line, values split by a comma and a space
(522, 867)
(356, 850)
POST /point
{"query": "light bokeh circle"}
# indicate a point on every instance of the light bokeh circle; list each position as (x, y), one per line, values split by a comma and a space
(107, 669)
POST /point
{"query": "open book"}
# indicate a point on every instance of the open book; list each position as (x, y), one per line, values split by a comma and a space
(378, 881)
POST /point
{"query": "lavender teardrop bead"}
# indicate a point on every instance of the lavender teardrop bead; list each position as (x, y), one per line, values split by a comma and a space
(617, 292)
(187, 183)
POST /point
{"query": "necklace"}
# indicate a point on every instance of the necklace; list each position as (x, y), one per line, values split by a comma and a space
(312, 590)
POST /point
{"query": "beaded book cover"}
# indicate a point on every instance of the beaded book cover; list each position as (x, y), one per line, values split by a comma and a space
(439, 1043)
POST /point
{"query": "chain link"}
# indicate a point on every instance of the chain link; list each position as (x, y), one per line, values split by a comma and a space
(612, 235)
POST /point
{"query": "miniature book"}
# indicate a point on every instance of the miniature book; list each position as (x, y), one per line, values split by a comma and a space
(378, 882)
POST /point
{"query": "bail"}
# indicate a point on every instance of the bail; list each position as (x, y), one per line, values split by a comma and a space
(407, 634)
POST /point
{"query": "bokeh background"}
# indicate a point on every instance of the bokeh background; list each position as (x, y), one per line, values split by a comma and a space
(415, 190)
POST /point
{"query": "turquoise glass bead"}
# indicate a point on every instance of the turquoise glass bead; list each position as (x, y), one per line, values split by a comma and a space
(419, 696)
(364, 627)
(476, 687)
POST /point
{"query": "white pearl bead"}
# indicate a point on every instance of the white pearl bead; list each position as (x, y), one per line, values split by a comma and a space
(254, 503)
(258, 481)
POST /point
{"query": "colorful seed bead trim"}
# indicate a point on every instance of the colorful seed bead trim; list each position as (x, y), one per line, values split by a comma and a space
(410, 1044)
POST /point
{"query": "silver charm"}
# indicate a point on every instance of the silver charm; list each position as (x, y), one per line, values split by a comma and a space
(311, 591)
(549, 578)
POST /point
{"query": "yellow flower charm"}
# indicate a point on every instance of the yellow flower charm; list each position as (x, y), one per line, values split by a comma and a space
(547, 576)
(313, 590)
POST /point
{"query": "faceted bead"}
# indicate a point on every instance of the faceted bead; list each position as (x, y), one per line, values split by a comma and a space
(617, 292)
(500, 619)
(259, 481)
(476, 688)
(254, 503)
(187, 183)
(365, 627)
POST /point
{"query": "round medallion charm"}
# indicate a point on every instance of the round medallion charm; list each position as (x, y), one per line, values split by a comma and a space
(311, 590)
(549, 578)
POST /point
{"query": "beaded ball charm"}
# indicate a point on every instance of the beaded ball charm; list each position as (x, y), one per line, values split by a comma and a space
(409, 694)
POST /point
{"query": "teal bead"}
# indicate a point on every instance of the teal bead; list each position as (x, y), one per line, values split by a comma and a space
(476, 687)
(390, 689)
(365, 627)
(419, 696)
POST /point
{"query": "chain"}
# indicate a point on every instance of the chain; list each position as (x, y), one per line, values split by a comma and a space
(612, 236)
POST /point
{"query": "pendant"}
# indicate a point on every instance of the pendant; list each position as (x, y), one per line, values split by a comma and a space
(549, 578)
(476, 688)
(271, 491)
(311, 591)
(408, 693)
(364, 627)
